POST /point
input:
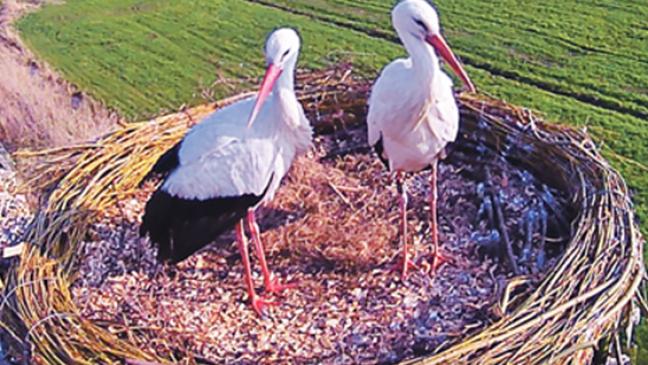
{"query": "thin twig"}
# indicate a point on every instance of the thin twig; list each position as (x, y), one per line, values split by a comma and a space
(339, 193)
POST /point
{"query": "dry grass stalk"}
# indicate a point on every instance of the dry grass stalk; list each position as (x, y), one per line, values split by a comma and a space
(579, 302)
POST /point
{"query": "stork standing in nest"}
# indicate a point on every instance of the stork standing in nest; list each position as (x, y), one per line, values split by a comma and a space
(413, 114)
(224, 168)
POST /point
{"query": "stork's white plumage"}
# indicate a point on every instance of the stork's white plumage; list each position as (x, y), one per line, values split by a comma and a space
(413, 114)
(228, 164)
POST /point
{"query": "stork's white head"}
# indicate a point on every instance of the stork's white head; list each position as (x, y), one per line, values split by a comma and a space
(282, 47)
(281, 52)
(418, 19)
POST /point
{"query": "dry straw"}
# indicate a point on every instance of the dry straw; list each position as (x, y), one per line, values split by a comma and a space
(584, 300)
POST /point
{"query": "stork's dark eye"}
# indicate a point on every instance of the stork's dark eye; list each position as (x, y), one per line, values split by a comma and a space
(285, 54)
(421, 24)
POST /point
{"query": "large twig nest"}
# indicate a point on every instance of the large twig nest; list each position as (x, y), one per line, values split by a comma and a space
(582, 299)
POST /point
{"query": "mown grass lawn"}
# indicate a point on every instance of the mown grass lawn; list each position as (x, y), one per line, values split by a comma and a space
(580, 63)
(145, 57)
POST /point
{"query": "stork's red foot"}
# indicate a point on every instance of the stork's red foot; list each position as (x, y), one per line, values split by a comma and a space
(436, 260)
(259, 303)
(403, 265)
(275, 286)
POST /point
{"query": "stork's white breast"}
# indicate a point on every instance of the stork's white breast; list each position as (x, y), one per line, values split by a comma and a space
(416, 121)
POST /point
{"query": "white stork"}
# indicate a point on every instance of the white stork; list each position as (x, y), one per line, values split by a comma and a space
(224, 168)
(412, 110)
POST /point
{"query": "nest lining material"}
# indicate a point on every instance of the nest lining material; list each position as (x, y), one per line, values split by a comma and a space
(14, 208)
(332, 229)
(583, 299)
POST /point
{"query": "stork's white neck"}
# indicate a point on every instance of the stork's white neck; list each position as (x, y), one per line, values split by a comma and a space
(286, 81)
(424, 59)
(284, 97)
(284, 90)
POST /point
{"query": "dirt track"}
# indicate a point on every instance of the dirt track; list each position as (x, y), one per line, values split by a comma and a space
(37, 107)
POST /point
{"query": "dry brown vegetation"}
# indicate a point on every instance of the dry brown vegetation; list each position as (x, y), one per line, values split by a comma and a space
(37, 107)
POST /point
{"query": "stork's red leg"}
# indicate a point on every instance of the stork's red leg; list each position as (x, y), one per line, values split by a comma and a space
(271, 285)
(258, 303)
(437, 258)
(404, 263)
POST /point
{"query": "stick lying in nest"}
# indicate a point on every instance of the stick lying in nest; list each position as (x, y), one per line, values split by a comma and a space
(502, 223)
(140, 362)
(13, 251)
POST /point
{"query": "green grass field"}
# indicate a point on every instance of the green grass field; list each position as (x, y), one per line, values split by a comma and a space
(579, 63)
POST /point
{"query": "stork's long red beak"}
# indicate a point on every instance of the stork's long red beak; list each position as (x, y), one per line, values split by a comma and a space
(272, 74)
(444, 50)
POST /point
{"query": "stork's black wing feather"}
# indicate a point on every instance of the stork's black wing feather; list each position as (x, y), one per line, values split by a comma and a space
(380, 150)
(181, 227)
(166, 163)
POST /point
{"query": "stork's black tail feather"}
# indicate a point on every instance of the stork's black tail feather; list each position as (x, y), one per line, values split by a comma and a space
(181, 227)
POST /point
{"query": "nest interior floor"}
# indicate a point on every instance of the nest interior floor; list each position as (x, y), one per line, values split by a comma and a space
(333, 230)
